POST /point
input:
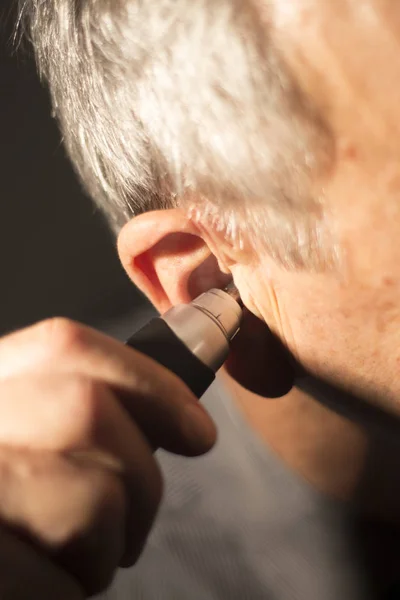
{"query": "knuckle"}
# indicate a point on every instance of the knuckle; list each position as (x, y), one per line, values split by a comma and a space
(87, 498)
(100, 496)
(61, 336)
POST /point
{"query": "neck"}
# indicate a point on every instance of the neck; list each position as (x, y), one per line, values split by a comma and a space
(340, 458)
(325, 448)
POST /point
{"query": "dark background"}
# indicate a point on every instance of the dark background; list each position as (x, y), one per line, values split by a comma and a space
(56, 254)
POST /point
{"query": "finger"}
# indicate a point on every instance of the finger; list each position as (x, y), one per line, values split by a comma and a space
(25, 573)
(77, 417)
(142, 476)
(83, 420)
(72, 510)
(160, 402)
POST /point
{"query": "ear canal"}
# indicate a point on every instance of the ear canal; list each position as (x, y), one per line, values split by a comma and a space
(207, 275)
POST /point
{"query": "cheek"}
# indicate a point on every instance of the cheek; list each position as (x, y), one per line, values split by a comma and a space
(298, 307)
(251, 287)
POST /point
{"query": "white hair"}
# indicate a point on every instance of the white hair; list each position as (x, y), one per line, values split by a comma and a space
(186, 102)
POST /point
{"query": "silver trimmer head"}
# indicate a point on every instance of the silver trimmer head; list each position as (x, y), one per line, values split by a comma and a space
(208, 324)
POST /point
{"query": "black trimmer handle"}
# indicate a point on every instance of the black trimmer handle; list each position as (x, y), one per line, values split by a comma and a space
(159, 342)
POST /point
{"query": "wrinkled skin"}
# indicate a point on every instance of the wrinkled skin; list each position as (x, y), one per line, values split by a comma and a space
(343, 325)
(340, 325)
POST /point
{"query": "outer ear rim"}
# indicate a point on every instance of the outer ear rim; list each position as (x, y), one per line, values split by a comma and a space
(141, 246)
(173, 218)
(136, 241)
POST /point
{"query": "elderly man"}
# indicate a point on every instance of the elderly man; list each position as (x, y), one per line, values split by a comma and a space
(247, 139)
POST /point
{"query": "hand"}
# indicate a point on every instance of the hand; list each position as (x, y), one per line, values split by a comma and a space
(80, 416)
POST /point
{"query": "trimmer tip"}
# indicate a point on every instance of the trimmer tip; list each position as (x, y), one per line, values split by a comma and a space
(233, 292)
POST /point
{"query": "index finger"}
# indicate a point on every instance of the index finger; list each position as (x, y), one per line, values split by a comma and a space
(154, 397)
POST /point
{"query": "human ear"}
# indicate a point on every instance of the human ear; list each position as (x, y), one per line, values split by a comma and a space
(167, 258)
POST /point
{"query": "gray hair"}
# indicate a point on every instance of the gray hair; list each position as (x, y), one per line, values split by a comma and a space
(187, 102)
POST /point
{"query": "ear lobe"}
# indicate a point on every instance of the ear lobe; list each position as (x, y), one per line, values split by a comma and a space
(166, 257)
